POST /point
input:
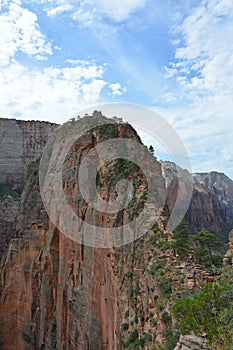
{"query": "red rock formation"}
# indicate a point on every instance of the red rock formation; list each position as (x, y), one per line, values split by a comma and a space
(58, 294)
(63, 295)
(211, 206)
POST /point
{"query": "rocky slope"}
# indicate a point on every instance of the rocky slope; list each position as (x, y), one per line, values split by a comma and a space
(20, 143)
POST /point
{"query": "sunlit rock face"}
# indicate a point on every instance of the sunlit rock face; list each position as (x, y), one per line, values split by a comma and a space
(191, 342)
(59, 294)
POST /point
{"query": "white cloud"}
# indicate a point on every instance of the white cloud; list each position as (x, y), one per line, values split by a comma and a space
(117, 89)
(205, 57)
(169, 97)
(118, 10)
(203, 69)
(87, 11)
(86, 18)
(3, 3)
(59, 10)
(20, 32)
(51, 94)
(91, 91)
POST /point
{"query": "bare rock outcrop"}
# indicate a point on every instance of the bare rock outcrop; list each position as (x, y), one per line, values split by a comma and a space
(191, 342)
(228, 257)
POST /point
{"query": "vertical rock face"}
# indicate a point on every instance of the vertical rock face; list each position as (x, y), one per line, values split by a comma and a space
(8, 212)
(58, 294)
(20, 143)
(218, 184)
(220, 190)
(211, 206)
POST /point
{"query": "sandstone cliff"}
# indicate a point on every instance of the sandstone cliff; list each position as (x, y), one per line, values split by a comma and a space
(20, 143)
(211, 205)
(58, 294)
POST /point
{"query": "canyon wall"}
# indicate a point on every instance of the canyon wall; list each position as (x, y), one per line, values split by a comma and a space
(56, 293)
(20, 143)
(211, 206)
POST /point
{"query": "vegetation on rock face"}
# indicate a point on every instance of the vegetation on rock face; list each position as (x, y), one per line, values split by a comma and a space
(202, 308)
(7, 190)
(203, 247)
(207, 250)
(181, 239)
(151, 149)
(209, 311)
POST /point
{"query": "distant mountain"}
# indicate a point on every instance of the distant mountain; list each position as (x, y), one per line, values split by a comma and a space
(211, 206)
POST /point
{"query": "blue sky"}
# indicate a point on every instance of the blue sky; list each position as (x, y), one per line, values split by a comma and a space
(58, 57)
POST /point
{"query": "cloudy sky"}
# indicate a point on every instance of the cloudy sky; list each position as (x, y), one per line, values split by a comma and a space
(58, 57)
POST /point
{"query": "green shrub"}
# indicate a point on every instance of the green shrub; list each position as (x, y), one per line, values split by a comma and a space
(209, 311)
(165, 317)
(172, 337)
(165, 286)
(153, 240)
(126, 313)
(7, 190)
(156, 267)
(160, 307)
(125, 326)
(154, 322)
(142, 318)
(133, 337)
(147, 337)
